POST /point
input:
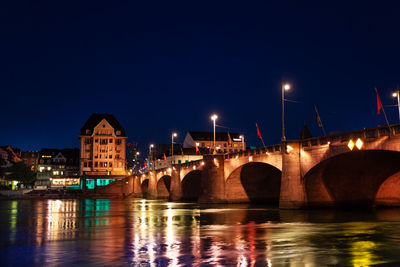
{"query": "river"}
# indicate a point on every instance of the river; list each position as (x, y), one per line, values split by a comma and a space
(137, 232)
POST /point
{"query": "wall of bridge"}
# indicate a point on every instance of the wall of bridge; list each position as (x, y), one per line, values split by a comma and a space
(309, 174)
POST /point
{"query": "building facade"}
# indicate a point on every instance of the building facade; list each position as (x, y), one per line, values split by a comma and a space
(225, 142)
(102, 150)
(58, 168)
(31, 159)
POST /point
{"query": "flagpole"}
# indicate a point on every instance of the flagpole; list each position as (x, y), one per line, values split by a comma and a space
(384, 113)
(319, 118)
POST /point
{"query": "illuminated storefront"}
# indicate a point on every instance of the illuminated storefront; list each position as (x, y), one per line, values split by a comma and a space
(66, 182)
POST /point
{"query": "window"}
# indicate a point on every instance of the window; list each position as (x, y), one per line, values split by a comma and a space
(105, 164)
(101, 164)
(96, 164)
(96, 156)
(110, 156)
(87, 131)
(117, 156)
(85, 164)
(110, 141)
(110, 164)
(96, 140)
(118, 141)
(179, 161)
(118, 132)
(224, 144)
(90, 164)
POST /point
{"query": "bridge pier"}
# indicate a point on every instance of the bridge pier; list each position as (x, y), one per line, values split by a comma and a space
(152, 191)
(175, 189)
(292, 194)
(137, 188)
(213, 180)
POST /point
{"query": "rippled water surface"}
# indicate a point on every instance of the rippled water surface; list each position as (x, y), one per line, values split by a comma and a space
(136, 232)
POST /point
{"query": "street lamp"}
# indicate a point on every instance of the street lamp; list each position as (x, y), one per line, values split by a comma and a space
(242, 137)
(172, 144)
(214, 117)
(285, 86)
(150, 155)
(397, 95)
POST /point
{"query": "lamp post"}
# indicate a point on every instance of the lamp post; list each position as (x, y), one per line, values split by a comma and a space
(242, 137)
(151, 155)
(214, 117)
(397, 95)
(172, 144)
(285, 86)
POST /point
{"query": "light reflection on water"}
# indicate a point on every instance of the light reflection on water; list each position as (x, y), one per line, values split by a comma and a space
(104, 232)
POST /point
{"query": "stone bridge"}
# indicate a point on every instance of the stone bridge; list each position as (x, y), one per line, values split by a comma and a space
(320, 171)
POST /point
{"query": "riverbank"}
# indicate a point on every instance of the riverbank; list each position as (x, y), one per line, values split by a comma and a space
(53, 194)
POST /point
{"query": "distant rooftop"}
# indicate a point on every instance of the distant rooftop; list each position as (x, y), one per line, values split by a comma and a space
(209, 136)
(96, 118)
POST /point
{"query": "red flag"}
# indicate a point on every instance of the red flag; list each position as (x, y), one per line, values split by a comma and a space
(144, 165)
(378, 102)
(258, 132)
(197, 148)
(165, 158)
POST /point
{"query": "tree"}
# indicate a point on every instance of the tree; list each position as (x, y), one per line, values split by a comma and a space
(20, 172)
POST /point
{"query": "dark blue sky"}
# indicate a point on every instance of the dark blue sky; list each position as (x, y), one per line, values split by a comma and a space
(160, 66)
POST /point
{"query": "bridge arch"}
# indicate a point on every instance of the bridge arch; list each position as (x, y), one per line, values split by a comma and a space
(163, 186)
(254, 182)
(191, 185)
(355, 178)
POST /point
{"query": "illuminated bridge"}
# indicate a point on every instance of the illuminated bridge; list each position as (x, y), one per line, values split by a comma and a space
(354, 168)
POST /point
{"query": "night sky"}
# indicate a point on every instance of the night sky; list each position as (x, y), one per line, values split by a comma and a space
(160, 66)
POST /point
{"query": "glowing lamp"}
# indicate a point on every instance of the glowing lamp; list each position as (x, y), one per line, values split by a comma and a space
(350, 144)
(359, 143)
(251, 158)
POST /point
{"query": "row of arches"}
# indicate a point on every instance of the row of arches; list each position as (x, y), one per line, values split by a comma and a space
(358, 178)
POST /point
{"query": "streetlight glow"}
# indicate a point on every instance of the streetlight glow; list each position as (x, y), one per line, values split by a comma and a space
(214, 117)
(285, 87)
(397, 95)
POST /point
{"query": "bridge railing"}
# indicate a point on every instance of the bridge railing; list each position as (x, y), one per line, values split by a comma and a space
(255, 151)
(365, 134)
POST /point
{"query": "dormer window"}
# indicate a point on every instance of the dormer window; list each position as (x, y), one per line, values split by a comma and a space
(118, 132)
(87, 131)
(104, 126)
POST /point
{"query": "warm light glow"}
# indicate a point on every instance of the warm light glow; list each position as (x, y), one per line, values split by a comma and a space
(237, 156)
(151, 145)
(169, 170)
(394, 94)
(202, 163)
(194, 167)
(251, 158)
(286, 86)
(214, 117)
(197, 144)
(289, 148)
(137, 153)
(359, 143)
(174, 134)
(351, 144)
(241, 137)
